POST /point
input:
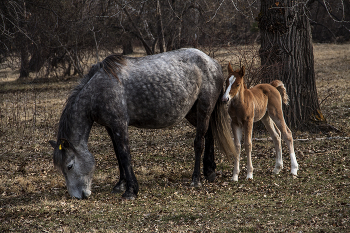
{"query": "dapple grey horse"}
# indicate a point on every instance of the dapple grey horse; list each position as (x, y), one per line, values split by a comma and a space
(149, 92)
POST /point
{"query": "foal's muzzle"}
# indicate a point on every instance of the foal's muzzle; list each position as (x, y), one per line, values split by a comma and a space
(225, 99)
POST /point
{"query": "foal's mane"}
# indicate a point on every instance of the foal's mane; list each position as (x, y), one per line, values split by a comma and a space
(111, 65)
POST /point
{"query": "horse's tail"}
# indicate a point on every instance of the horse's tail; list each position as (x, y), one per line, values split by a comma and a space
(282, 90)
(221, 130)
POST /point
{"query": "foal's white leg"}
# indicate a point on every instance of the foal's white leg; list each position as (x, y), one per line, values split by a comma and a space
(237, 134)
(276, 137)
(288, 138)
(248, 129)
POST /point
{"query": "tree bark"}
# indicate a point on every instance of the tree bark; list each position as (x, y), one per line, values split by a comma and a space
(287, 54)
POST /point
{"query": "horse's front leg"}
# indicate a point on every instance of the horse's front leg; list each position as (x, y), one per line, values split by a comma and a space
(209, 165)
(121, 185)
(127, 176)
(237, 138)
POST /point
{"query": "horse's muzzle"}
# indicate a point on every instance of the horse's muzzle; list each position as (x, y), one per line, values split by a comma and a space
(85, 195)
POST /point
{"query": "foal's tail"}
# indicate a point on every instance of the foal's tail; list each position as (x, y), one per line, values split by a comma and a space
(221, 130)
(282, 90)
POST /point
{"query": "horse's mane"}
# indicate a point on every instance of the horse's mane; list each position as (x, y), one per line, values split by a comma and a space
(111, 65)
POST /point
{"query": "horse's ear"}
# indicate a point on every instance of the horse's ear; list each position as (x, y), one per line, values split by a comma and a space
(53, 143)
(242, 71)
(229, 68)
(63, 143)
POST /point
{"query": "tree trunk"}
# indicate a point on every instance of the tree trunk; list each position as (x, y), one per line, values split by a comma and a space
(287, 54)
(24, 71)
(161, 40)
(127, 44)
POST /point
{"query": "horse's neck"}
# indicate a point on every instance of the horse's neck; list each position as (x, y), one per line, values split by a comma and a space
(76, 126)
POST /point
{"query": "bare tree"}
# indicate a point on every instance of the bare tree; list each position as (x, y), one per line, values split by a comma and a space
(286, 45)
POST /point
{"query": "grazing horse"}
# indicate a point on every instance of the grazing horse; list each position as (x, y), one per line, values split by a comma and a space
(149, 92)
(261, 102)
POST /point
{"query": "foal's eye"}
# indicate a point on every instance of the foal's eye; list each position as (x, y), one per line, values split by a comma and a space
(70, 166)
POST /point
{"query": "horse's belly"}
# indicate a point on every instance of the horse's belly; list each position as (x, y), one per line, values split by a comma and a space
(158, 116)
(161, 109)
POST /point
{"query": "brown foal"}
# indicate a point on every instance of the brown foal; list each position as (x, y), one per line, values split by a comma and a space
(261, 102)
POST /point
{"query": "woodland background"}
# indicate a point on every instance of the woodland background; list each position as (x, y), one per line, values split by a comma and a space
(58, 38)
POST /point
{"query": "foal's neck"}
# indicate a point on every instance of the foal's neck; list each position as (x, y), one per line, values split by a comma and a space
(239, 99)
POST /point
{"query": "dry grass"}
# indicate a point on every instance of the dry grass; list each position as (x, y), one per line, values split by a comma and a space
(33, 196)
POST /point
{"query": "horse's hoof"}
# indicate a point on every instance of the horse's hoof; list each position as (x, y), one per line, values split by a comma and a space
(128, 196)
(196, 184)
(211, 177)
(119, 187)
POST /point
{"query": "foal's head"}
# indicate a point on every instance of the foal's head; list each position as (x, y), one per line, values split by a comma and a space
(234, 83)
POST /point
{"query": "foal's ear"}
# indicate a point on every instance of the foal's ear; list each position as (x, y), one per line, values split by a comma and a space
(229, 68)
(242, 71)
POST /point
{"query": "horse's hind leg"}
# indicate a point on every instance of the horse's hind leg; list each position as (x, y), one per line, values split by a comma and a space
(276, 137)
(209, 165)
(202, 127)
(288, 138)
(209, 158)
(121, 185)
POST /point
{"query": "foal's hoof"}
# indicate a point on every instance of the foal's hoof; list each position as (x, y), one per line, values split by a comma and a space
(119, 187)
(294, 171)
(249, 177)
(211, 177)
(276, 171)
(234, 178)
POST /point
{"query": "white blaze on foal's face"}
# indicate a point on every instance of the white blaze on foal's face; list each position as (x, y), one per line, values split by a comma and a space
(229, 84)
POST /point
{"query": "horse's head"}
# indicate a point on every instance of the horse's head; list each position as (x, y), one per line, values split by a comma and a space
(234, 83)
(77, 165)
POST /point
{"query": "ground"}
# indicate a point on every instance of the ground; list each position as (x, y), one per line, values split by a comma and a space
(33, 195)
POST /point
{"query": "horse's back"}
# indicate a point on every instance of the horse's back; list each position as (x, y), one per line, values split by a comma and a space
(161, 89)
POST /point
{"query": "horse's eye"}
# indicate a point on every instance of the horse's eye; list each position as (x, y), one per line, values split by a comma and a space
(70, 166)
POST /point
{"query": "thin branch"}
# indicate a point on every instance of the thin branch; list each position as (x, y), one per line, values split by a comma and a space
(215, 12)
